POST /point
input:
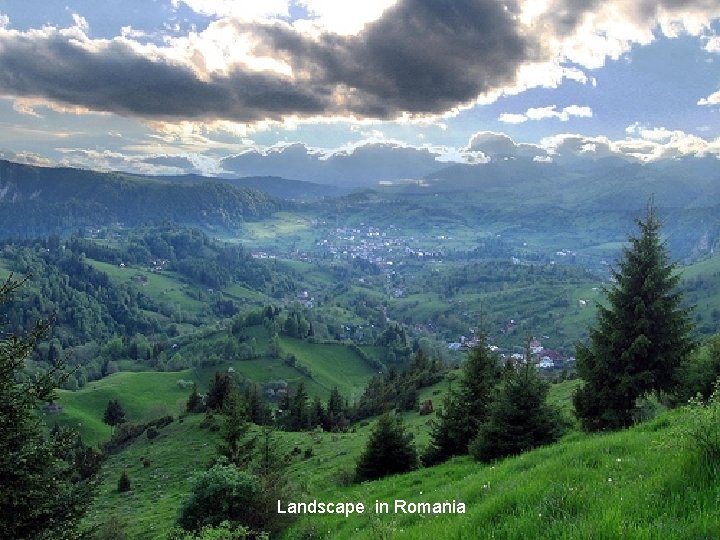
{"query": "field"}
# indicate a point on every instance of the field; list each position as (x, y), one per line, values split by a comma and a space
(143, 395)
(165, 287)
(637, 483)
(632, 484)
(331, 365)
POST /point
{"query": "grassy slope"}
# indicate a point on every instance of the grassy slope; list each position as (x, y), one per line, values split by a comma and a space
(150, 394)
(331, 365)
(164, 287)
(184, 448)
(631, 484)
(143, 395)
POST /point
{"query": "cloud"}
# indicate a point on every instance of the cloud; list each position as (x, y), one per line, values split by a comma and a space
(28, 158)
(712, 99)
(418, 58)
(499, 145)
(181, 163)
(587, 32)
(541, 113)
(512, 118)
(108, 160)
(713, 44)
(365, 163)
(641, 145)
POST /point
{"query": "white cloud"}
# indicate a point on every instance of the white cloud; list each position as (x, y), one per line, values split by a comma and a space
(240, 10)
(512, 118)
(643, 144)
(713, 44)
(712, 99)
(341, 17)
(541, 113)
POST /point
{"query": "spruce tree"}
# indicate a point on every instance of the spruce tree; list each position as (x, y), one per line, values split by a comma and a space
(389, 450)
(519, 419)
(46, 482)
(641, 338)
(465, 408)
(195, 402)
(114, 413)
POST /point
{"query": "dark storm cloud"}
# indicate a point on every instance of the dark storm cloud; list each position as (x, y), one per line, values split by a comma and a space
(421, 56)
(115, 78)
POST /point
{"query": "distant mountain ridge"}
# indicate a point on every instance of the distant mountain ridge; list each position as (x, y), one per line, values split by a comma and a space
(40, 200)
(275, 186)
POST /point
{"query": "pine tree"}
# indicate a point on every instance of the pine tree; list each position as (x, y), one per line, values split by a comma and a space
(389, 450)
(641, 338)
(194, 403)
(519, 419)
(114, 413)
(218, 390)
(43, 491)
(465, 408)
(235, 427)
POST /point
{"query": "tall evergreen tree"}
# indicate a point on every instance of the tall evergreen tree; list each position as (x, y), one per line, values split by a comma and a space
(519, 419)
(45, 485)
(114, 413)
(465, 407)
(219, 389)
(195, 402)
(389, 450)
(235, 427)
(641, 338)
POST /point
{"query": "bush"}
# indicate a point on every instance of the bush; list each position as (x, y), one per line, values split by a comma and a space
(700, 428)
(698, 374)
(124, 483)
(223, 493)
(151, 433)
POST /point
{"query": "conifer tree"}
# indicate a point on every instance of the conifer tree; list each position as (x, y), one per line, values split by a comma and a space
(519, 419)
(114, 413)
(465, 407)
(235, 427)
(389, 450)
(124, 482)
(194, 403)
(46, 482)
(641, 337)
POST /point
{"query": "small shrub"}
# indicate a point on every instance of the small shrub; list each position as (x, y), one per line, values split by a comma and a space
(152, 433)
(308, 452)
(700, 428)
(146, 463)
(124, 483)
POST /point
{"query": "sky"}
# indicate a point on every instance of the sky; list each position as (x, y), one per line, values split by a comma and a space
(369, 89)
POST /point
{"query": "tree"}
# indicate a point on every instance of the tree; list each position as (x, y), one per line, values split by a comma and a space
(124, 482)
(389, 450)
(114, 413)
(43, 494)
(465, 408)
(218, 391)
(519, 419)
(223, 493)
(234, 428)
(641, 337)
(194, 403)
